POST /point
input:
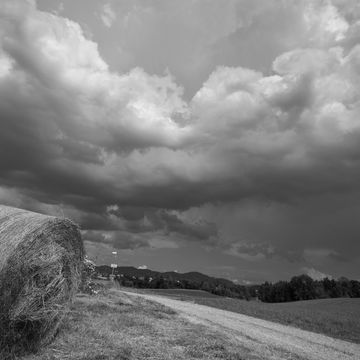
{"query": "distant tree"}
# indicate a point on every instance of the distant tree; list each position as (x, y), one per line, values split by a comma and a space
(332, 288)
(345, 286)
(265, 292)
(302, 287)
(355, 288)
(205, 285)
(282, 291)
(320, 292)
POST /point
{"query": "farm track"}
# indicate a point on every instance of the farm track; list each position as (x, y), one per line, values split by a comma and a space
(265, 339)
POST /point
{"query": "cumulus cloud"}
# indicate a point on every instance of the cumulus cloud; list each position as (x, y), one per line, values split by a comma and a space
(53, 79)
(131, 160)
(316, 274)
(77, 94)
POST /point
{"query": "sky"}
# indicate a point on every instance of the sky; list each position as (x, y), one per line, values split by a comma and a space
(199, 135)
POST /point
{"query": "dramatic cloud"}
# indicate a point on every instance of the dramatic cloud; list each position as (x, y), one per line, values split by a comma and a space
(316, 274)
(258, 157)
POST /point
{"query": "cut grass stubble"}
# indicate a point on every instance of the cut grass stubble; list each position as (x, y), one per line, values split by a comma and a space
(116, 326)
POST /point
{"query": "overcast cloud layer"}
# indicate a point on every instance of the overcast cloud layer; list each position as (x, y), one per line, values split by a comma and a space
(161, 129)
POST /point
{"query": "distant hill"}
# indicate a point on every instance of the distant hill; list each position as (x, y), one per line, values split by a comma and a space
(193, 276)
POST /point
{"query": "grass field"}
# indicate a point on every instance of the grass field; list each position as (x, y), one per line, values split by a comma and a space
(338, 318)
(114, 326)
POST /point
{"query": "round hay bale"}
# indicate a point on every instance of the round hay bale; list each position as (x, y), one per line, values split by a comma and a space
(40, 266)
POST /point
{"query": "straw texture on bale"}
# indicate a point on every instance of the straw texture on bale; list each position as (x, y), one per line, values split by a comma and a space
(40, 266)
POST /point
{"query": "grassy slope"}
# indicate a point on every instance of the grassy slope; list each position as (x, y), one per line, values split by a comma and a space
(114, 326)
(338, 318)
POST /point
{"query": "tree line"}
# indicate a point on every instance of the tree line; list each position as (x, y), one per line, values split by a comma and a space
(303, 287)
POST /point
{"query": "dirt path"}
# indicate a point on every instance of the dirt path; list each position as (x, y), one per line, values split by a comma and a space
(265, 339)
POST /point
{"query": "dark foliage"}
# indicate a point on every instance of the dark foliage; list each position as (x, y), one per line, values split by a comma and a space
(303, 287)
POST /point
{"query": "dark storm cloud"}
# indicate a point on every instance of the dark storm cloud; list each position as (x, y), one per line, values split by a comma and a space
(130, 213)
(171, 223)
(145, 220)
(117, 239)
(130, 160)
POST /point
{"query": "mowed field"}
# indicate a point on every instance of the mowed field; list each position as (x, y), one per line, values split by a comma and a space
(115, 326)
(338, 318)
(123, 326)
